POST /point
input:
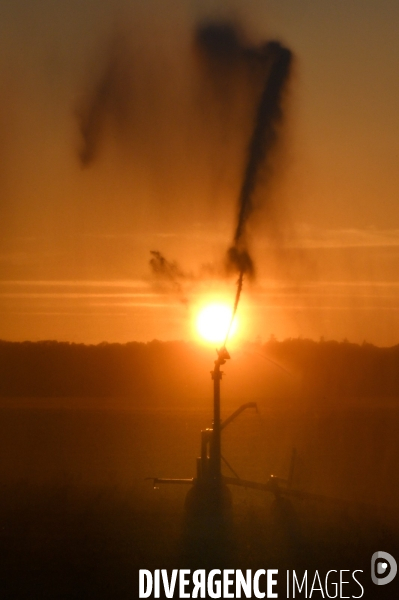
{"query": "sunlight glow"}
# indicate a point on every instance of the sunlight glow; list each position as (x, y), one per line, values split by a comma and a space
(213, 322)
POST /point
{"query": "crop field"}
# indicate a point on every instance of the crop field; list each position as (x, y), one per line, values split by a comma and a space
(78, 518)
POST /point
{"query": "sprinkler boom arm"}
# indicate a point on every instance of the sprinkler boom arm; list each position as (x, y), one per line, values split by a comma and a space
(238, 412)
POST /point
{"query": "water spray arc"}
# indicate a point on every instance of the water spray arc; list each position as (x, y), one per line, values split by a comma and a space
(263, 140)
(221, 46)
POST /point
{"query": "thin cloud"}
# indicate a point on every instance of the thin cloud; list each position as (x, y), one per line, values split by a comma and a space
(310, 237)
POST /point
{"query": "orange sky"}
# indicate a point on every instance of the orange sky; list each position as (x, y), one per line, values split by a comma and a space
(75, 241)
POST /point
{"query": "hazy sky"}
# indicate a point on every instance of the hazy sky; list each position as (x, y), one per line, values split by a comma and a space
(167, 156)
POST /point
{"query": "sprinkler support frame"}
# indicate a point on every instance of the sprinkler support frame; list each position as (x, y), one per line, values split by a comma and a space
(209, 472)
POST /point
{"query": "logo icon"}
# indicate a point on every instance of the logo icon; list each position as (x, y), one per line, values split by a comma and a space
(383, 568)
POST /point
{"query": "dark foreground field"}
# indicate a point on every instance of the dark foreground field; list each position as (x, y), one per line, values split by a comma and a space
(78, 520)
(71, 542)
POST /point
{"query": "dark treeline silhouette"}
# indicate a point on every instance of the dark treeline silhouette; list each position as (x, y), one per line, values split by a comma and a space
(51, 369)
(170, 372)
(332, 369)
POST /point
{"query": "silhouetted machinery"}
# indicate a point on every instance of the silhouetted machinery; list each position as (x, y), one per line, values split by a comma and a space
(210, 492)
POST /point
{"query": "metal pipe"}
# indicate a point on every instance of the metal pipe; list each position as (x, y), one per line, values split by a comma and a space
(215, 456)
(160, 480)
(238, 412)
(215, 449)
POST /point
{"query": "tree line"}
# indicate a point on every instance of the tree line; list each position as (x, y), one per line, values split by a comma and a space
(172, 369)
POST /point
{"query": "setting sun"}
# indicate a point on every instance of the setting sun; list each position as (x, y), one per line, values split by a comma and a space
(213, 322)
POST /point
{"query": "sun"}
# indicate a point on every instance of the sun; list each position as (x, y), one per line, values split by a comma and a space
(213, 322)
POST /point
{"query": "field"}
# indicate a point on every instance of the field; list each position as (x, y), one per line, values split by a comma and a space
(78, 519)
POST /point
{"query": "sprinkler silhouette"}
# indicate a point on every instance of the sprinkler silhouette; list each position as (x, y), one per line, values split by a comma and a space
(210, 492)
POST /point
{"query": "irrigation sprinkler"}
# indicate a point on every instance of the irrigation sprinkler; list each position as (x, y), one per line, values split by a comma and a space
(210, 493)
